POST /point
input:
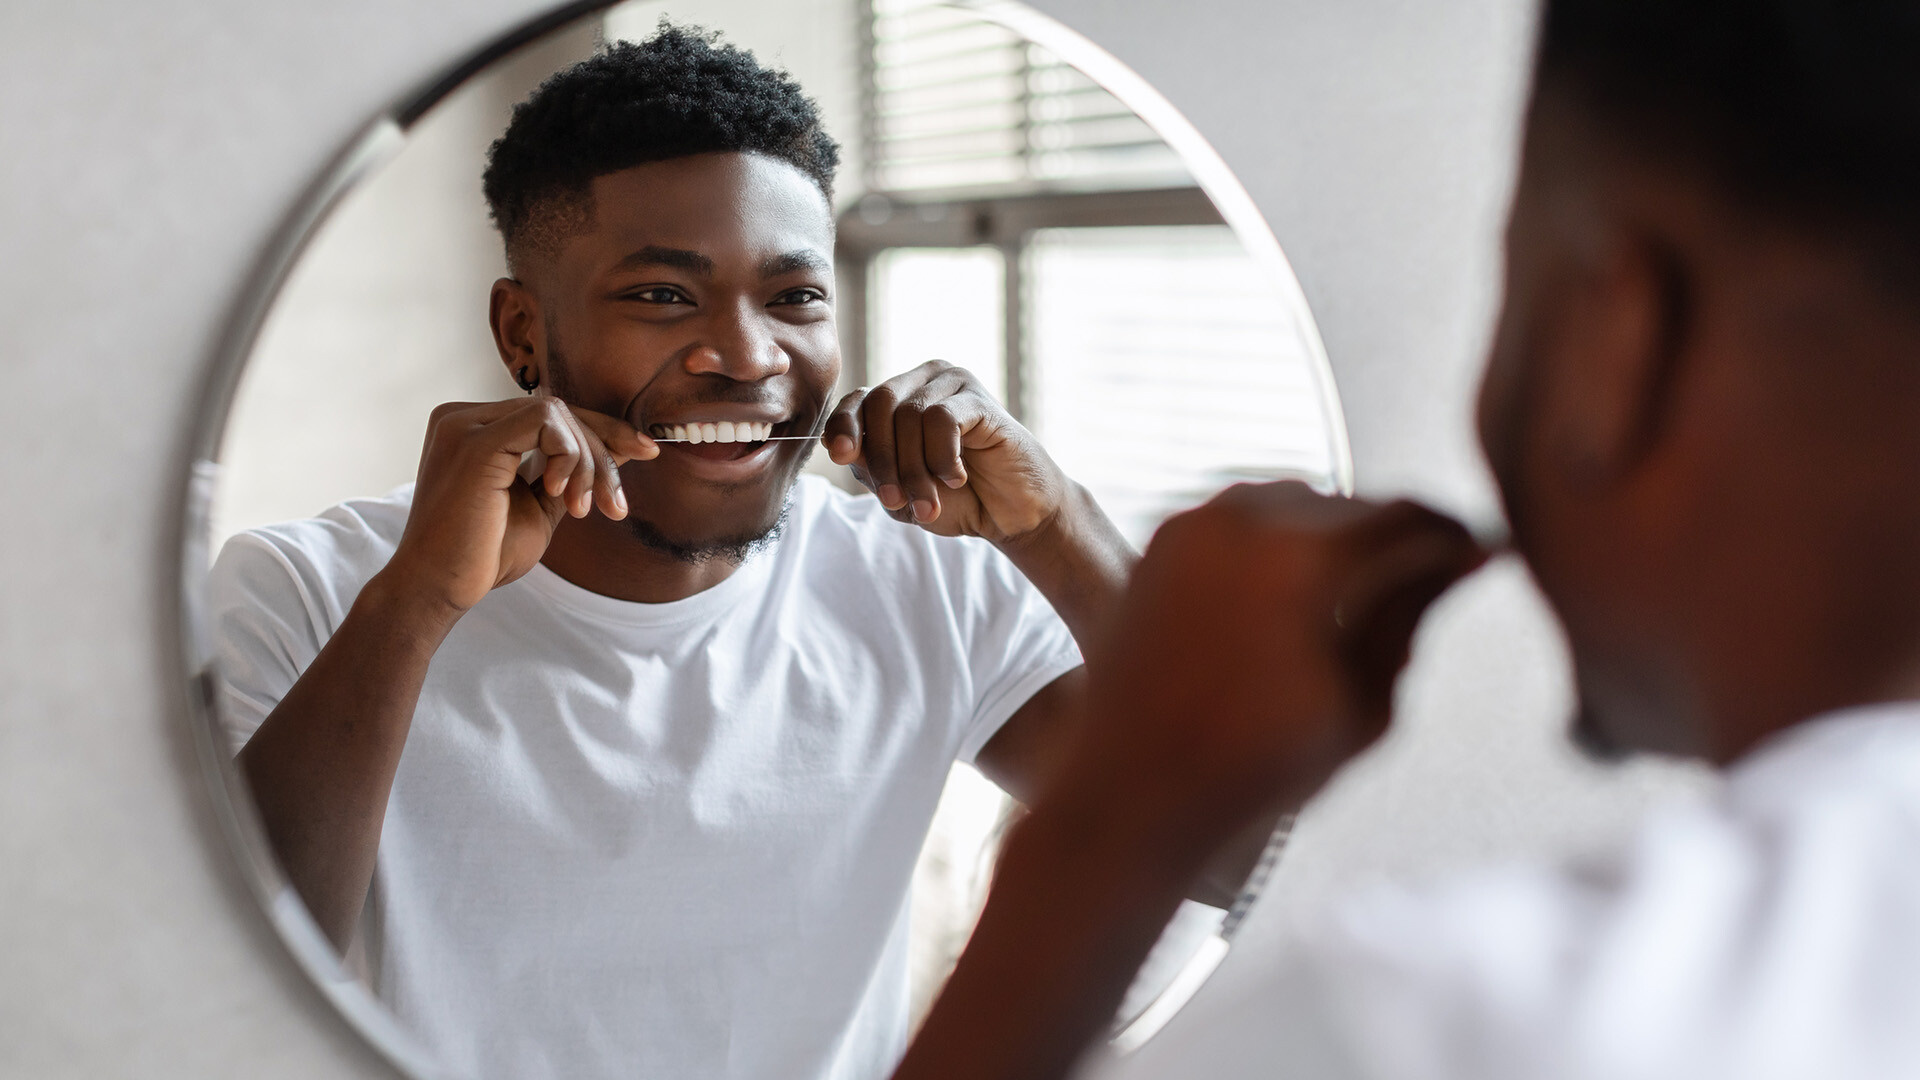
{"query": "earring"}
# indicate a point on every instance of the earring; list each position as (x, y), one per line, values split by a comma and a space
(527, 382)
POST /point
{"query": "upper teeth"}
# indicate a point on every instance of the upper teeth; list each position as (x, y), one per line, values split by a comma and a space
(724, 431)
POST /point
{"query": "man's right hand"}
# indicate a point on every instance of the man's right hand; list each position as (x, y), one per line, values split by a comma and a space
(1260, 640)
(322, 763)
(475, 524)
(1255, 651)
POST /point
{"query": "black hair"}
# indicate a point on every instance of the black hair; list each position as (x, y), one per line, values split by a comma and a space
(680, 92)
(1808, 109)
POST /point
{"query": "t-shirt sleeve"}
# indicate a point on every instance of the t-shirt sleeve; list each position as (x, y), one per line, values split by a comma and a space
(1017, 645)
(267, 626)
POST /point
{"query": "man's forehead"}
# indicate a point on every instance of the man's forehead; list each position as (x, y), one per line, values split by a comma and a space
(713, 200)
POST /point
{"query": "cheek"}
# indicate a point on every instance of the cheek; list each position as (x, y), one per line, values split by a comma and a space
(815, 352)
(623, 355)
(1500, 412)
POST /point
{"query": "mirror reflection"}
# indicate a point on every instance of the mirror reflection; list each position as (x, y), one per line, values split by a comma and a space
(663, 514)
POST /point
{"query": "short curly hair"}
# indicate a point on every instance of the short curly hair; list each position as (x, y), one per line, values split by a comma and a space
(1809, 109)
(680, 92)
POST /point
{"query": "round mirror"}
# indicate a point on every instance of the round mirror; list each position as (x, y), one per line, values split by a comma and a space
(574, 712)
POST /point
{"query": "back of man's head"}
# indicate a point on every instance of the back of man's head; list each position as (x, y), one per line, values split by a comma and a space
(679, 93)
(1704, 402)
(1804, 108)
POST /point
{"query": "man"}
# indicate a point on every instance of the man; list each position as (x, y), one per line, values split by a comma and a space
(1703, 411)
(622, 768)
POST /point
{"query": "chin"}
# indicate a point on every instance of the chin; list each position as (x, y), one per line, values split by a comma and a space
(1592, 737)
(732, 533)
(697, 518)
(1610, 728)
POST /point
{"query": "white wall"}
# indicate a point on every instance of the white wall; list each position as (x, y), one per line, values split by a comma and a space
(149, 148)
(383, 317)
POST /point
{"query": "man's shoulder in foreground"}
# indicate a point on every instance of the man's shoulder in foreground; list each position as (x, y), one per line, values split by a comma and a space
(1770, 929)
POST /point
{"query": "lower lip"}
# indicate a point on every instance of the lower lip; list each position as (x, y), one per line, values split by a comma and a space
(723, 461)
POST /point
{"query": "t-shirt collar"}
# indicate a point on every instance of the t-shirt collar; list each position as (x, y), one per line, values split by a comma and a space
(1868, 744)
(750, 577)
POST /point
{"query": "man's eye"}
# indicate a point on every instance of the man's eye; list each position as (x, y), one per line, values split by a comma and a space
(658, 294)
(801, 296)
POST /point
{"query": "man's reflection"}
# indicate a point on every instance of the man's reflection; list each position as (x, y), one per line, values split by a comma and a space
(620, 767)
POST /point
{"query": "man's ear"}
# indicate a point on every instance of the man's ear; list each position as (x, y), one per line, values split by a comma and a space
(1624, 328)
(514, 314)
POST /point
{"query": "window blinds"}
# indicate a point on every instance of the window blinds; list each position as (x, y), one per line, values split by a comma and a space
(957, 103)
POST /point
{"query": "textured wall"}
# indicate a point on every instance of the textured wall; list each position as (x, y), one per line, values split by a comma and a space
(149, 149)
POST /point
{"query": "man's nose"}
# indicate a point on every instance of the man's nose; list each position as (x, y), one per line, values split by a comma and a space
(739, 345)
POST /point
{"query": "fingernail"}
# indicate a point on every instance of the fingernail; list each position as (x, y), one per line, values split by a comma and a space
(620, 499)
(890, 497)
(842, 447)
(923, 510)
(956, 481)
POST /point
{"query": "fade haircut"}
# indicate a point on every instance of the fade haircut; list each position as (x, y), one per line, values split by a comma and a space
(1808, 110)
(680, 92)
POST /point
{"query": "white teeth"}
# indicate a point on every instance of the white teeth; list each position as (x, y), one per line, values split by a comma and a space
(720, 431)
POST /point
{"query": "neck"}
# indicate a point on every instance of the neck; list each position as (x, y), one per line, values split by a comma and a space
(604, 557)
(1745, 723)
(1816, 609)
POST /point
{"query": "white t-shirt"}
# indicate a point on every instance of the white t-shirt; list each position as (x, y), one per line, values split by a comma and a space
(1770, 932)
(661, 840)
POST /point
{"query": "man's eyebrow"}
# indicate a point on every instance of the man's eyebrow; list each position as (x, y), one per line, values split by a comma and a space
(802, 259)
(677, 258)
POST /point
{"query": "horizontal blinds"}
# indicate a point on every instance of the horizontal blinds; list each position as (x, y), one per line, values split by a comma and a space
(955, 102)
(1164, 371)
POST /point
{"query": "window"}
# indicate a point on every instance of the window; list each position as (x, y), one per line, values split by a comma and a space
(1162, 371)
(954, 101)
(1007, 214)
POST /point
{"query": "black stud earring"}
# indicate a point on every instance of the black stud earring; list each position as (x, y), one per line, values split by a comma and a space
(527, 382)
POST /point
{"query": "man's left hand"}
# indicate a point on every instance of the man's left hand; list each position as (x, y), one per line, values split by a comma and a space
(939, 451)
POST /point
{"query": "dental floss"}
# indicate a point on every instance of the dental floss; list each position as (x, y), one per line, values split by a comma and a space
(749, 442)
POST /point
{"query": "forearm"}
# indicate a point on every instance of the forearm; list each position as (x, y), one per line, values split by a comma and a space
(1079, 562)
(321, 766)
(1081, 565)
(1079, 898)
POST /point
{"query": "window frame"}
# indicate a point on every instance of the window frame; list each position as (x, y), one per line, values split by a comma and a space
(880, 223)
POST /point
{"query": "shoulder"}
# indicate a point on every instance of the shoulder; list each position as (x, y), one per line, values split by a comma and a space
(331, 554)
(1684, 944)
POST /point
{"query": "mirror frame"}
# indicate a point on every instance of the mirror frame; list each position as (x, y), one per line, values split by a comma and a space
(373, 146)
